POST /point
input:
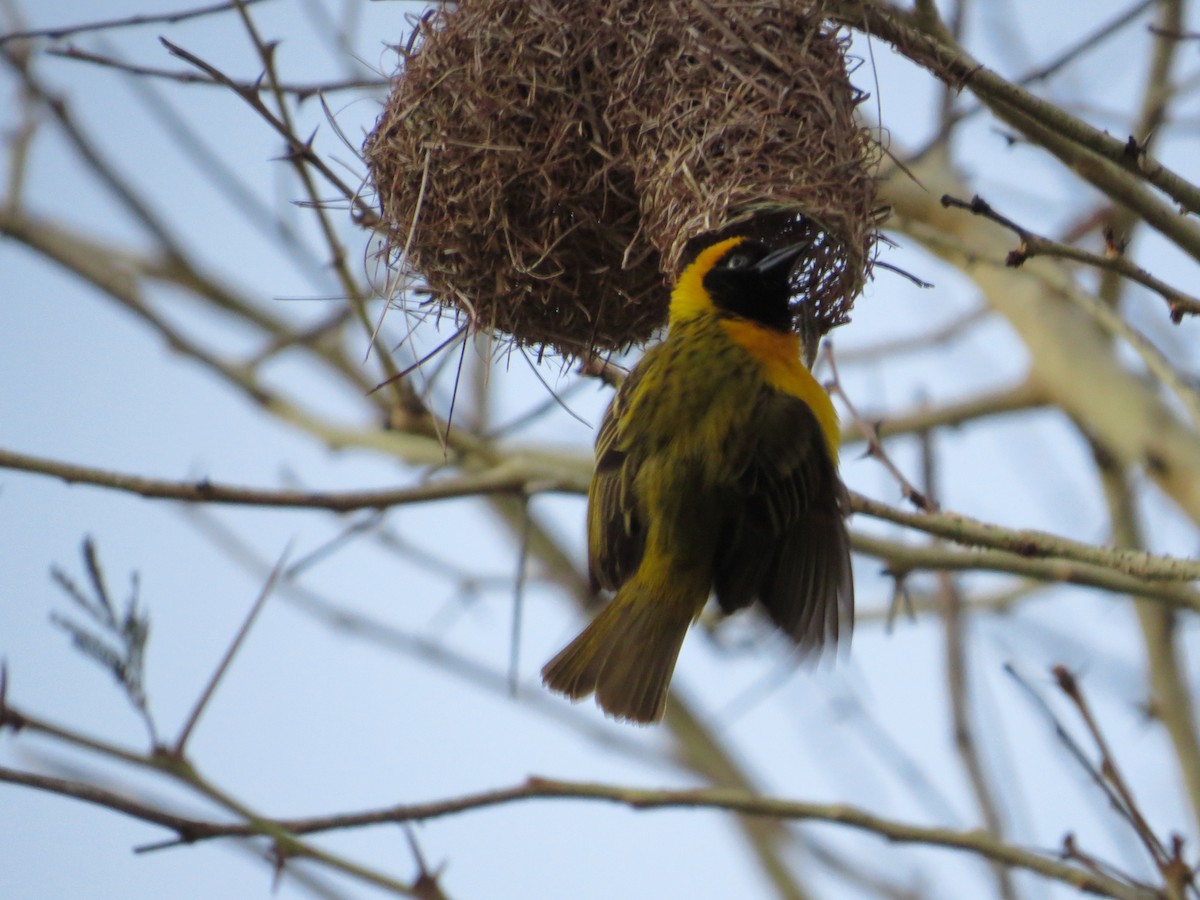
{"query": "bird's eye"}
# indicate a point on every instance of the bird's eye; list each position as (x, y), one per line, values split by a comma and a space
(738, 261)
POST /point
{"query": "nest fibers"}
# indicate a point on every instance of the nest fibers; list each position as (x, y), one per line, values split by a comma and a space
(547, 164)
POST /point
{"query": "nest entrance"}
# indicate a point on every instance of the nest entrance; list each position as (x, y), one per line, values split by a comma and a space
(551, 159)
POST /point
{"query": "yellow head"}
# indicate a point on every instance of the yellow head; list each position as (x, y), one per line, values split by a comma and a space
(739, 277)
(690, 298)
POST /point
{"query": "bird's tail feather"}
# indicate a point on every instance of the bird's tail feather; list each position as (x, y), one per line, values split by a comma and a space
(627, 654)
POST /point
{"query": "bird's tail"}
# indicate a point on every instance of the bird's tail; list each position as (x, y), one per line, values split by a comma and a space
(627, 654)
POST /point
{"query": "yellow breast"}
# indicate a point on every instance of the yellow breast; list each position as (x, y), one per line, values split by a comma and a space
(779, 355)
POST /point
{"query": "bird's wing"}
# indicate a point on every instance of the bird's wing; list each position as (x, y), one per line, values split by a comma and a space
(784, 542)
(616, 526)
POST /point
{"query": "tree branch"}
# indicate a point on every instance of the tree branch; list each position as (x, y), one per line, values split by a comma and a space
(730, 800)
(514, 476)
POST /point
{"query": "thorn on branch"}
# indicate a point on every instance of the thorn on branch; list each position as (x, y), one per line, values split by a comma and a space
(1113, 245)
(8, 717)
(920, 500)
(875, 447)
(426, 886)
(1071, 851)
(278, 856)
(1113, 259)
(1133, 150)
(901, 598)
(1177, 872)
(1065, 679)
(1156, 464)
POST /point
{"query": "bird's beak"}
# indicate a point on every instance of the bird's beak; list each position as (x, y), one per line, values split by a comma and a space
(784, 256)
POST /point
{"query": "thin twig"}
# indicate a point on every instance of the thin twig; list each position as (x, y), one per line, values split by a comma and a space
(1033, 245)
(209, 689)
(875, 448)
(180, 76)
(511, 477)
(299, 149)
(1169, 693)
(1110, 770)
(126, 22)
(1020, 397)
(920, 342)
(514, 657)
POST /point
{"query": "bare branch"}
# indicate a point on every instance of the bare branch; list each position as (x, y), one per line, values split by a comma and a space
(223, 666)
(937, 50)
(1032, 543)
(1032, 245)
(179, 76)
(126, 22)
(730, 800)
(513, 476)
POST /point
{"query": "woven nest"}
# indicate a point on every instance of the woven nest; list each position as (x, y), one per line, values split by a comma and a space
(546, 166)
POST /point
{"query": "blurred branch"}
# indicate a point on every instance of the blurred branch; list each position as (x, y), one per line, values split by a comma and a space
(118, 273)
(379, 633)
(115, 270)
(917, 343)
(1156, 363)
(958, 685)
(517, 474)
(1043, 71)
(1018, 398)
(998, 602)
(1170, 697)
(117, 641)
(88, 149)
(193, 718)
(304, 160)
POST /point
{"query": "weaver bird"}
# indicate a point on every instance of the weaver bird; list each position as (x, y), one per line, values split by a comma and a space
(716, 471)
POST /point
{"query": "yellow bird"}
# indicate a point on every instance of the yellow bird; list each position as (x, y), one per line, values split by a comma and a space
(716, 470)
